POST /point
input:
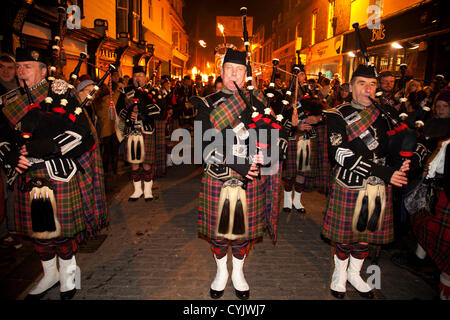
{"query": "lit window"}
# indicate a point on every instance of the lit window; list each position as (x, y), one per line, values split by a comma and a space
(314, 27)
(331, 19)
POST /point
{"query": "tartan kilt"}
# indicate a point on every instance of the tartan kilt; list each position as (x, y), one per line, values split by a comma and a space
(149, 146)
(160, 148)
(289, 164)
(433, 232)
(69, 205)
(337, 221)
(271, 190)
(319, 177)
(92, 189)
(209, 204)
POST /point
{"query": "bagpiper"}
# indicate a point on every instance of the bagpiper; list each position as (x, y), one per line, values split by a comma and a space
(56, 138)
(138, 108)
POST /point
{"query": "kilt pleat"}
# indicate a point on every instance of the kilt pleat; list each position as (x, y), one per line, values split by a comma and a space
(433, 232)
(271, 190)
(92, 188)
(289, 164)
(209, 203)
(160, 148)
(319, 177)
(337, 221)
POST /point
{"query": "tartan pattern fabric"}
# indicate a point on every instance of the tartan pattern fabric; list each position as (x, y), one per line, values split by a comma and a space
(271, 189)
(149, 146)
(230, 109)
(48, 248)
(92, 189)
(337, 221)
(69, 205)
(160, 148)
(92, 186)
(17, 109)
(368, 116)
(209, 204)
(289, 164)
(319, 176)
(433, 232)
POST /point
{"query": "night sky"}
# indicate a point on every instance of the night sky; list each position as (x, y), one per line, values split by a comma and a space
(202, 14)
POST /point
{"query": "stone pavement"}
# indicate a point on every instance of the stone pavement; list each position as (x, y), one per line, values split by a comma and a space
(152, 251)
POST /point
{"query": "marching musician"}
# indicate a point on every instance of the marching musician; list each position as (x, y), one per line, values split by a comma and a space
(138, 110)
(49, 193)
(302, 153)
(359, 207)
(228, 210)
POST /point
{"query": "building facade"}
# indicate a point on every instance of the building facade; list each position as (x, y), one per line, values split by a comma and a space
(395, 32)
(125, 32)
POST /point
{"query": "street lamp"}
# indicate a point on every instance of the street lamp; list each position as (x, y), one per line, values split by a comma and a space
(396, 45)
(221, 28)
(202, 43)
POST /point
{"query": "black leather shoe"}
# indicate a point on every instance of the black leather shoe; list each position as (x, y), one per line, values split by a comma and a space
(68, 295)
(215, 294)
(39, 296)
(287, 210)
(367, 295)
(337, 294)
(243, 295)
(301, 211)
(148, 199)
(134, 199)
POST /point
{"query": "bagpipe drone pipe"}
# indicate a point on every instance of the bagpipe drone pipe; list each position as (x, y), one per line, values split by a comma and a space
(257, 115)
(402, 140)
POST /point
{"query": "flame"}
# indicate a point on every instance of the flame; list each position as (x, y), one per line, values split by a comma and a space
(194, 71)
(220, 26)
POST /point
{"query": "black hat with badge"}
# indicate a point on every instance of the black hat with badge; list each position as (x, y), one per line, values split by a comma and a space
(28, 54)
(138, 69)
(235, 56)
(365, 71)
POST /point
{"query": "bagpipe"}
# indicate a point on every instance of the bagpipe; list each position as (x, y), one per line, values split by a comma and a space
(402, 140)
(257, 115)
(50, 128)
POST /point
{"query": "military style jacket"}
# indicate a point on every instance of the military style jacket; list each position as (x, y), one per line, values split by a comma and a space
(54, 134)
(148, 109)
(357, 144)
(217, 162)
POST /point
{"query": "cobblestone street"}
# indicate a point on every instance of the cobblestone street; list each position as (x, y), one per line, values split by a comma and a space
(152, 251)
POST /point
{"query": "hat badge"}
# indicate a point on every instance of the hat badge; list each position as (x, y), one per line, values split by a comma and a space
(35, 55)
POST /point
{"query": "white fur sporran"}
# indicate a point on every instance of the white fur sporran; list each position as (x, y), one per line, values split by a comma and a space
(135, 148)
(372, 191)
(232, 193)
(303, 154)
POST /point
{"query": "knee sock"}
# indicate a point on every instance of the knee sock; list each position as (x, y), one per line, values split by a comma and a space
(136, 175)
(148, 175)
(342, 251)
(240, 248)
(219, 247)
(360, 251)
